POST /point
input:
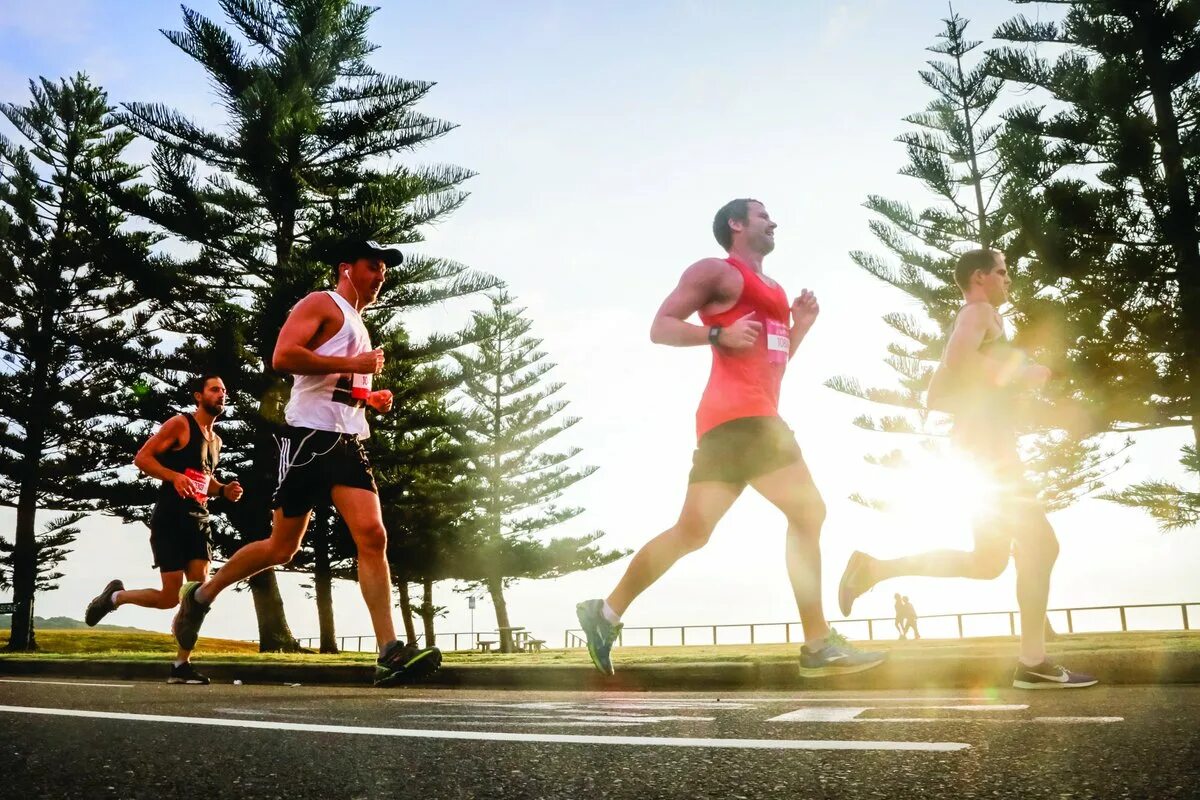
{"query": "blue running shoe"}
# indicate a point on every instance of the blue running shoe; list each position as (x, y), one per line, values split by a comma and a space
(1049, 676)
(837, 657)
(601, 634)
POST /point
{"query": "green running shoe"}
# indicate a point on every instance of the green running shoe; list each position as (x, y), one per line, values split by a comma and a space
(406, 663)
(601, 634)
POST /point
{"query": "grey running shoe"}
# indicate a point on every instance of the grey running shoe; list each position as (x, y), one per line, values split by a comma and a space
(601, 634)
(406, 663)
(102, 604)
(189, 617)
(1049, 676)
(851, 585)
(838, 657)
(186, 673)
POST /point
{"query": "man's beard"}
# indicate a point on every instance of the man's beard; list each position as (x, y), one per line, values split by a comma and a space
(213, 410)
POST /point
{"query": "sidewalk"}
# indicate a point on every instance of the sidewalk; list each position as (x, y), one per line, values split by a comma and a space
(1116, 659)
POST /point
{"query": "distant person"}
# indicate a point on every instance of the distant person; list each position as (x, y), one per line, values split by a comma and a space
(979, 381)
(183, 455)
(910, 618)
(901, 627)
(752, 332)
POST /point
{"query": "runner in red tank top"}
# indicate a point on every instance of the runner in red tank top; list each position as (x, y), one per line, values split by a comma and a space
(753, 332)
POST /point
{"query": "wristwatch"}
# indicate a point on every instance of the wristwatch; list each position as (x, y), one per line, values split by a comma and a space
(714, 333)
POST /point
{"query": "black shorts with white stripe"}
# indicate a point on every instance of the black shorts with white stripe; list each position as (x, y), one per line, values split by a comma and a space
(312, 462)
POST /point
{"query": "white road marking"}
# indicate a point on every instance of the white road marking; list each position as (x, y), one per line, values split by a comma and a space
(850, 713)
(71, 683)
(1075, 720)
(560, 738)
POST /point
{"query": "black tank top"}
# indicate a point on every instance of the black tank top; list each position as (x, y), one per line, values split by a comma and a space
(199, 454)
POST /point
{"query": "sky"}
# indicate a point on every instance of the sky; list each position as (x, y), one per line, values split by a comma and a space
(603, 140)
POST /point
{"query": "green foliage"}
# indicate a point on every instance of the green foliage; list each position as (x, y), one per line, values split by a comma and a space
(1105, 189)
(80, 304)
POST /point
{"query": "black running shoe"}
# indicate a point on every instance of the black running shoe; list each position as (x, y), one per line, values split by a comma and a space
(102, 604)
(186, 673)
(1049, 676)
(406, 663)
(189, 617)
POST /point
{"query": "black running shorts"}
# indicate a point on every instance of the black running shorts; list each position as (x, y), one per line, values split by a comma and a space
(743, 449)
(178, 536)
(312, 462)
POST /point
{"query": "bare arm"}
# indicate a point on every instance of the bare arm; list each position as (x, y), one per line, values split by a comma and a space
(699, 286)
(167, 438)
(293, 353)
(963, 357)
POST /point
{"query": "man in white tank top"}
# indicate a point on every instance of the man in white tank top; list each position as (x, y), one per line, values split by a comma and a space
(325, 346)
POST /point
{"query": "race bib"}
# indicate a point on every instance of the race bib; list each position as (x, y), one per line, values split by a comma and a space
(779, 342)
(199, 484)
(360, 387)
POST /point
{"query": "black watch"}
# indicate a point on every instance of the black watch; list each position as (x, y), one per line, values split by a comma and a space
(714, 333)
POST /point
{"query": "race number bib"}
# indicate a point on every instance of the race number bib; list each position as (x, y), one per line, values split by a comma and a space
(779, 342)
(199, 484)
(360, 387)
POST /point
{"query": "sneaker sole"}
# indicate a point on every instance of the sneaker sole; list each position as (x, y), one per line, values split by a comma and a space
(113, 586)
(183, 594)
(845, 602)
(829, 672)
(185, 682)
(1052, 685)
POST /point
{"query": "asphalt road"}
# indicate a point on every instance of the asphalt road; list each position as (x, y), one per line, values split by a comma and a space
(105, 739)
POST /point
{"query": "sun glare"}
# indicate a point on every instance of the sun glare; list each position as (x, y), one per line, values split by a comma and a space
(933, 498)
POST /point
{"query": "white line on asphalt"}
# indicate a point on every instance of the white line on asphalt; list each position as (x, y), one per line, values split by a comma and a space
(560, 738)
(850, 713)
(1073, 720)
(71, 683)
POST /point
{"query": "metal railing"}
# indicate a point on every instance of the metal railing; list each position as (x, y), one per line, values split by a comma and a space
(573, 637)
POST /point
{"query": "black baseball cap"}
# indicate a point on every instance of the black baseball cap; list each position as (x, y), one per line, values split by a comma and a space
(347, 251)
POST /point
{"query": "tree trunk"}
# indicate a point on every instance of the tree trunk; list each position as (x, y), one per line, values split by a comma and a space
(323, 584)
(1180, 216)
(25, 548)
(274, 635)
(410, 632)
(427, 612)
(495, 588)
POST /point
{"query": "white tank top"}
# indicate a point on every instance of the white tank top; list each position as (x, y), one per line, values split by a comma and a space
(334, 402)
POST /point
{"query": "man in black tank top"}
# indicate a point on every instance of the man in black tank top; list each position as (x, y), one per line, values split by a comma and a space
(979, 381)
(183, 455)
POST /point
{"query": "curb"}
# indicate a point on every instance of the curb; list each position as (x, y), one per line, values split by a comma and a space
(1112, 667)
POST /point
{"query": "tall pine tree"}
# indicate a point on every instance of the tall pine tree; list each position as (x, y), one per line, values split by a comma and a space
(79, 302)
(511, 415)
(309, 152)
(954, 154)
(1106, 166)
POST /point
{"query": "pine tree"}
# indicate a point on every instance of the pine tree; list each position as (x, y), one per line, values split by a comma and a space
(1106, 166)
(309, 153)
(954, 154)
(80, 296)
(510, 417)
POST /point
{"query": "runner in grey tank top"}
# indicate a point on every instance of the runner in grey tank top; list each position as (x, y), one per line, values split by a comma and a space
(978, 381)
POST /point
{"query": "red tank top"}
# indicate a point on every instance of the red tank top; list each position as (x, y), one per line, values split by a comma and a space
(745, 383)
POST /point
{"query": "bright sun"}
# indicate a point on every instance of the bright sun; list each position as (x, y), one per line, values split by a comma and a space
(933, 498)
